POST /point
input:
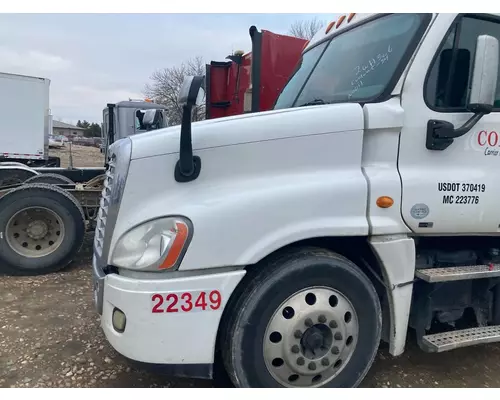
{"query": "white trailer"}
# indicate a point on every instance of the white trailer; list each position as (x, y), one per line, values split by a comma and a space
(26, 120)
(282, 246)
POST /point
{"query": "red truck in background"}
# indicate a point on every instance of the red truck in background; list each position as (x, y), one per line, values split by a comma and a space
(230, 84)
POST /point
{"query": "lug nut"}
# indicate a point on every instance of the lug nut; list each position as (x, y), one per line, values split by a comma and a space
(338, 336)
(298, 334)
(321, 319)
(312, 366)
(335, 350)
(309, 322)
(333, 324)
(300, 361)
(295, 349)
(325, 361)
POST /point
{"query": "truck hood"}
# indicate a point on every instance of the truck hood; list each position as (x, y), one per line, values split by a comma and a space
(250, 128)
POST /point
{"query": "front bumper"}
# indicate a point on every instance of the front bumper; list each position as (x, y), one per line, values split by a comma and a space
(161, 338)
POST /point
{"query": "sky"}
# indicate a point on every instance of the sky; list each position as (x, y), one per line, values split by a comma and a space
(95, 59)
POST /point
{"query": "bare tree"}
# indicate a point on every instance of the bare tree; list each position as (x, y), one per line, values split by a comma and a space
(306, 29)
(165, 86)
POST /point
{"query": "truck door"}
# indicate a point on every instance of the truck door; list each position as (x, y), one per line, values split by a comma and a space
(455, 190)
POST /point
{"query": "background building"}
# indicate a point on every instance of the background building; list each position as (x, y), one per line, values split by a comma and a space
(64, 129)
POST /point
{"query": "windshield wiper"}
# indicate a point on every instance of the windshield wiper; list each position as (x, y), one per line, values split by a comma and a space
(315, 102)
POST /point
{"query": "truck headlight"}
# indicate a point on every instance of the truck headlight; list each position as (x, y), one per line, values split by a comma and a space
(153, 245)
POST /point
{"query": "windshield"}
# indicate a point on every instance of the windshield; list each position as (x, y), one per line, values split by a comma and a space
(354, 66)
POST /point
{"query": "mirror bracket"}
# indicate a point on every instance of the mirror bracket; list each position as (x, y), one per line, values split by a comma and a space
(440, 134)
(182, 177)
(188, 166)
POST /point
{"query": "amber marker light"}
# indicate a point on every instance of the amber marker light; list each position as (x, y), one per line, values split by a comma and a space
(385, 201)
(339, 22)
(329, 27)
(181, 235)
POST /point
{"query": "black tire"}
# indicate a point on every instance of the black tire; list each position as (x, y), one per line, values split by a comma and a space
(59, 202)
(267, 286)
(52, 179)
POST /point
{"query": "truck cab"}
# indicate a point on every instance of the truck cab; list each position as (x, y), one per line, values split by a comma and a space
(127, 118)
(282, 246)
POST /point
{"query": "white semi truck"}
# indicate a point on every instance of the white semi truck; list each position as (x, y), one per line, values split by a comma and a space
(283, 246)
(45, 211)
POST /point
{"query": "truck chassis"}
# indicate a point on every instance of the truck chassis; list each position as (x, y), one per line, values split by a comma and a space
(44, 214)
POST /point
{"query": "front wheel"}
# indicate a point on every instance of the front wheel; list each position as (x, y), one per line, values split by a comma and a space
(308, 318)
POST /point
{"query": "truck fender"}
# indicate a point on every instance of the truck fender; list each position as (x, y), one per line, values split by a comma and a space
(396, 255)
(11, 173)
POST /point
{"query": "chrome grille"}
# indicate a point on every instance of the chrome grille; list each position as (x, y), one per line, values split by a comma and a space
(104, 205)
(119, 156)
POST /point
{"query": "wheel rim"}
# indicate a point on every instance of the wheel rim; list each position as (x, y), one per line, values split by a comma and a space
(310, 337)
(35, 232)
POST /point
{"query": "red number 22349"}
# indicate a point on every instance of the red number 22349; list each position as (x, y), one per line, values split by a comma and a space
(186, 302)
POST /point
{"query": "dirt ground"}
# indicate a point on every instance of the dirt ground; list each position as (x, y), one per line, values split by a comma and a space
(50, 337)
(83, 156)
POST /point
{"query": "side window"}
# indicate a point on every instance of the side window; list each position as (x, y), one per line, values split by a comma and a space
(449, 78)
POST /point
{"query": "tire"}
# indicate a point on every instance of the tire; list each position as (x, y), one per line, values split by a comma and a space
(42, 228)
(53, 179)
(246, 340)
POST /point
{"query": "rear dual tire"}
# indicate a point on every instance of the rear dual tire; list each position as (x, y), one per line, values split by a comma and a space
(42, 229)
(53, 179)
(307, 318)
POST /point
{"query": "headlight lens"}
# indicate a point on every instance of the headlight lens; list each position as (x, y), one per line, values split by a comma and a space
(153, 245)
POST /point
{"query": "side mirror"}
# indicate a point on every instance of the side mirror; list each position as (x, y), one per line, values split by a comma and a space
(190, 89)
(484, 75)
(441, 134)
(149, 117)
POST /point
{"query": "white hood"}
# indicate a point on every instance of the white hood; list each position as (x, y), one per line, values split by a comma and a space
(256, 127)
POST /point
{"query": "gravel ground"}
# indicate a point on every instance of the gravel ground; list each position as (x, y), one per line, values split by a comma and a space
(50, 337)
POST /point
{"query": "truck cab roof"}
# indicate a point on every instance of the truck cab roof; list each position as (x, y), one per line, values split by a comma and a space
(340, 23)
(144, 105)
